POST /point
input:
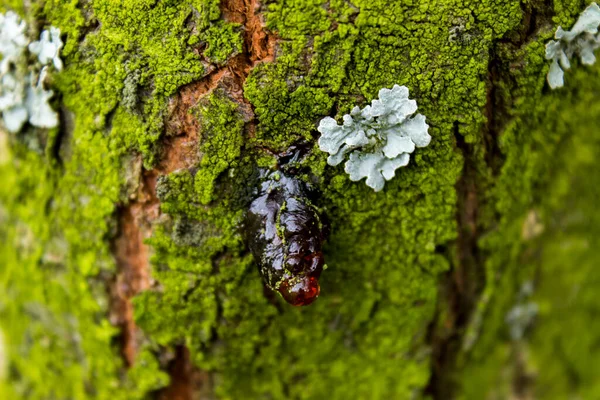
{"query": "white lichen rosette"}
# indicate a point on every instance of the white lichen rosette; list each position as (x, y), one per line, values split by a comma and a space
(48, 48)
(12, 39)
(22, 95)
(583, 39)
(378, 138)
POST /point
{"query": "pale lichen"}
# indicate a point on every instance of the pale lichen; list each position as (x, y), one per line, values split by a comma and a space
(379, 137)
(22, 94)
(48, 47)
(39, 110)
(12, 101)
(12, 39)
(520, 317)
(583, 39)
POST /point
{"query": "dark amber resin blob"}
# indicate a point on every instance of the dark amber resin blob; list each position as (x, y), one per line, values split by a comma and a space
(300, 292)
(285, 234)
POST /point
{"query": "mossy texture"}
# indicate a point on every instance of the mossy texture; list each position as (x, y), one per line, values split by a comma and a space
(60, 190)
(558, 354)
(542, 226)
(366, 336)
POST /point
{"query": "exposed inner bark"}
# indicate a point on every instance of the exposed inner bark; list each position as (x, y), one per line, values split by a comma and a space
(179, 151)
(131, 255)
(259, 45)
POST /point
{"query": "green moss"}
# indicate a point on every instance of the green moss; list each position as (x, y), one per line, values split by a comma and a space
(122, 62)
(222, 41)
(141, 54)
(286, 110)
(50, 341)
(14, 5)
(548, 171)
(221, 142)
(558, 157)
(366, 336)
(380, 290)
(563, 346)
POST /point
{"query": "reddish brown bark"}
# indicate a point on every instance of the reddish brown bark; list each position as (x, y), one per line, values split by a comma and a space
(179, 150)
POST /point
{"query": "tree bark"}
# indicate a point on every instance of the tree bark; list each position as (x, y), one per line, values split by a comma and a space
(472, 275)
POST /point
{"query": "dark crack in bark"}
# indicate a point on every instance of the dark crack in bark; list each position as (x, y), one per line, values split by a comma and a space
(183, 129)
(187, 382)
(461, 287)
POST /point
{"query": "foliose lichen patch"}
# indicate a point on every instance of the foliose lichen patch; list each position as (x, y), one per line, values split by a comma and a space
(583, 39)
(22, 94)
(379, 138)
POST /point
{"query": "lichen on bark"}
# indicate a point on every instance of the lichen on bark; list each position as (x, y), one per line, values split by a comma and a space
(168, 108)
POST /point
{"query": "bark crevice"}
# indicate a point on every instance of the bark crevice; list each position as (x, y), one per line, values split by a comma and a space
(179, 150)
(133, 265)
(461, 289)
(462, 285)
(258, 46)
(187, 382)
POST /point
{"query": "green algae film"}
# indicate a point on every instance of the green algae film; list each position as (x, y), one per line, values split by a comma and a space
(383, 246)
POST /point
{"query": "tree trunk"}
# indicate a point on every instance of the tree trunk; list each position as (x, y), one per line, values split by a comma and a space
(124, 272)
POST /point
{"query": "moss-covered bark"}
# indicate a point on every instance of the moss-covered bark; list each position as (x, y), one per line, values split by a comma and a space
(123, 273)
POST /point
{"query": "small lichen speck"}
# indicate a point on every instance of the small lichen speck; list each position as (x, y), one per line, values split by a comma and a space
(582, 39)
(520, 317)
(378, 138)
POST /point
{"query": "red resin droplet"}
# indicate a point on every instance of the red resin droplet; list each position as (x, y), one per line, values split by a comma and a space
(300, 292)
